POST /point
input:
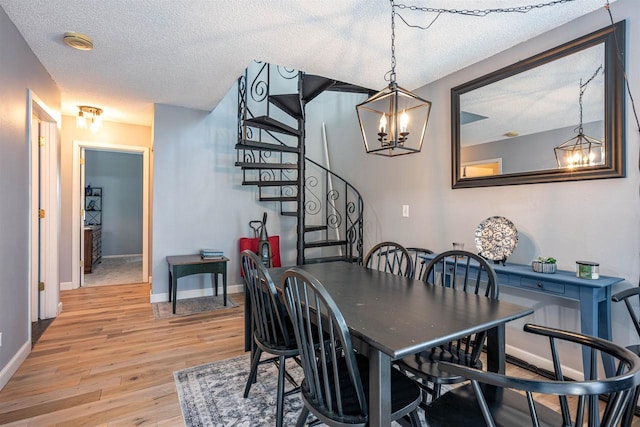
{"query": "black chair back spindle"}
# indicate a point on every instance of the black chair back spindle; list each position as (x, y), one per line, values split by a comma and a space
(335, 385)
(389, 257)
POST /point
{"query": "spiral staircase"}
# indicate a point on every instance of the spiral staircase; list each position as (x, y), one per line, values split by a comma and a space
(271, 152)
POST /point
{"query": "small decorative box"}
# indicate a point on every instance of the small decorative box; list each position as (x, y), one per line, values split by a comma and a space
(543, 267)
(587, 270)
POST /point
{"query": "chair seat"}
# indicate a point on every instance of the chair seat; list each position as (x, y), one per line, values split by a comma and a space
(425, 364)
(405, 393)
(459, 407)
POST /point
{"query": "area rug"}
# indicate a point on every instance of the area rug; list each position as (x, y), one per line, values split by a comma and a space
(211, 395)
(184, 307)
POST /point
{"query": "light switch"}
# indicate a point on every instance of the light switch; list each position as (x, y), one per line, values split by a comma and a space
(405, 211)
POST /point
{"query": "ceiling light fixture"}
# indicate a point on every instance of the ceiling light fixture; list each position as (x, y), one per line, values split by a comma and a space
(93, 115)
(393, 121)
(78, 41)
(581, 150)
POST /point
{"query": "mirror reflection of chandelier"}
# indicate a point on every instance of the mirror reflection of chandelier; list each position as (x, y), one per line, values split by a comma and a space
(393, 121)
(581, 150)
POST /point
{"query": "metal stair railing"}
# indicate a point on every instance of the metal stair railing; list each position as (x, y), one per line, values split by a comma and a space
(328, 202)
(335, 208)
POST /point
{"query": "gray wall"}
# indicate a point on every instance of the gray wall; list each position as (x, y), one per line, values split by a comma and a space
(19, 70)
(198, 199)
(594, 220)
(120, 176)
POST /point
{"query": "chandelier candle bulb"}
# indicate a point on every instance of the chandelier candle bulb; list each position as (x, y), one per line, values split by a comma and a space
(587, 270)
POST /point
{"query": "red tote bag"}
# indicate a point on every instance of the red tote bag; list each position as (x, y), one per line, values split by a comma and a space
(251, 243)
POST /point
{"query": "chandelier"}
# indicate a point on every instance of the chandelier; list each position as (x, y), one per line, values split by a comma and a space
(393, 121)
(90, 115)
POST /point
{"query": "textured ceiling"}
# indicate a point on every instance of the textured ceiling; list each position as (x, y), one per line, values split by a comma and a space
(190, 52)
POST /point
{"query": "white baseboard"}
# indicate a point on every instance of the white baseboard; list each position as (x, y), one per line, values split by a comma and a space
(15, 362)
(195, 293)
(66, 286)
(542, 362)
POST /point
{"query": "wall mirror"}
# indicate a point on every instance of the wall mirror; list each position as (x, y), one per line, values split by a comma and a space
(505, 125)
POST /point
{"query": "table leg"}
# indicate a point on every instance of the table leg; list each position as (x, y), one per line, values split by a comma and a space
(496, 356)
(170, 281)
(174, 286)
(595, 319)
(214, 282)
(224, 284)
(379, 388)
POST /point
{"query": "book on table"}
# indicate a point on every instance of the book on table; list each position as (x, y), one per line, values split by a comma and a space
(211, 253)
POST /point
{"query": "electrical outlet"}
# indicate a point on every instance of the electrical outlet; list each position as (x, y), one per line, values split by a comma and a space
(405, 211)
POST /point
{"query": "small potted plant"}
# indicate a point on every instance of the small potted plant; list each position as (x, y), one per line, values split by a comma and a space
(544, 265)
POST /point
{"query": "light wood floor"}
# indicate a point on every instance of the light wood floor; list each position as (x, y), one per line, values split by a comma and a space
(105, 361)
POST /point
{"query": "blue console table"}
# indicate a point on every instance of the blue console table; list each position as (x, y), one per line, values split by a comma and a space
(594, 295)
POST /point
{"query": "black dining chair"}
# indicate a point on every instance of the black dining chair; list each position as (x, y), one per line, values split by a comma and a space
(335, 388)
(499, 400)
(467, 272)
(272, 329)
(419, 263)
(389, 257)
(631, 298)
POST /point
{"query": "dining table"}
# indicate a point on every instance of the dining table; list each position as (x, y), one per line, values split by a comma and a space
(391, 317)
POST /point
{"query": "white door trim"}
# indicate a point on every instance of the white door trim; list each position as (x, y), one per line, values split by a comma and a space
(50, 128)
(76, 220)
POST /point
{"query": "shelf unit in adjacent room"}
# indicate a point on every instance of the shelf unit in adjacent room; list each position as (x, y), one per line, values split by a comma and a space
(93, 205)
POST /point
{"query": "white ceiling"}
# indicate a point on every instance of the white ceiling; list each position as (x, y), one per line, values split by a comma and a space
(190, 52)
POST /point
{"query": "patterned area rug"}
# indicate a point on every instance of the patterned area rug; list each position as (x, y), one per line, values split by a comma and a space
(184, 307)
(211, 395)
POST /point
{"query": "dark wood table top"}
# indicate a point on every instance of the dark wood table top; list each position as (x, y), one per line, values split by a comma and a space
(401, 316)
(192, 259)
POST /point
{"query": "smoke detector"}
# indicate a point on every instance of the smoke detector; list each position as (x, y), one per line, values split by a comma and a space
(78, 41)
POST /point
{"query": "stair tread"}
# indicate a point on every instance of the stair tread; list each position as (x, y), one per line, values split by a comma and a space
(278, 199)
(289, 103)
(268, 123)
(263, 165)
(315, 227)
(289, 213)
(265, 146)
(313, 86)
(271, 183)
(322, 243)
(351, 88)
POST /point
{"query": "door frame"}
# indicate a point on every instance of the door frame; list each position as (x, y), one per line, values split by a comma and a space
(76, 200)
(49, 125)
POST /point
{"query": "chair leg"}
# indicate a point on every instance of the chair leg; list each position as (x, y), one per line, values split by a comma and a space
(253, 372)
(415, 419)
(627, 417)
(280, 395)
(437, 389)
(302, 418)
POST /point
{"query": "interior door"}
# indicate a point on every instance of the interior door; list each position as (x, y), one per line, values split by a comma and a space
(82, 205)
(35, 220)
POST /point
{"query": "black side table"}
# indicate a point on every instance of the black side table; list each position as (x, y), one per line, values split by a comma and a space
(185, 265)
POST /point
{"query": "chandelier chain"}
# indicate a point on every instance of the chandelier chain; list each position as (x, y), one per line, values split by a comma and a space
(392, 72)
(583, 88)
(483, 12)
